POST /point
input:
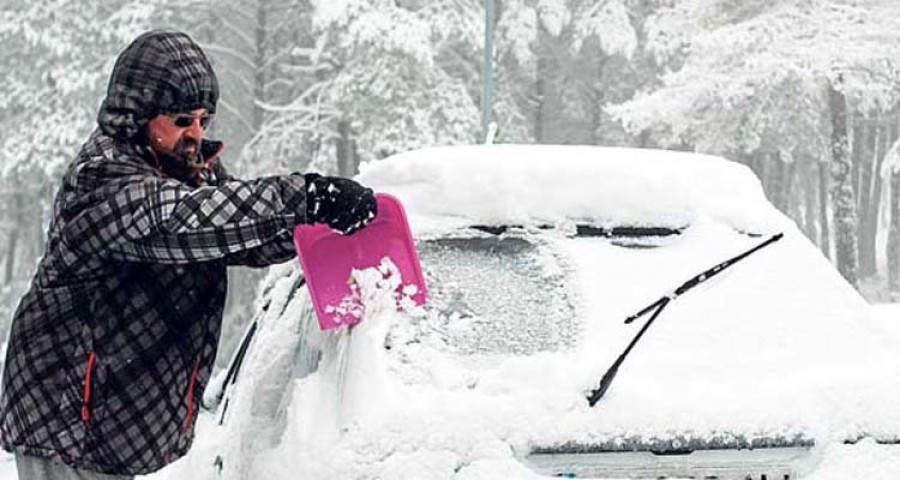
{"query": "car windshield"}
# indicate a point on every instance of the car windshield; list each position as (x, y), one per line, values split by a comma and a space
(498, 294)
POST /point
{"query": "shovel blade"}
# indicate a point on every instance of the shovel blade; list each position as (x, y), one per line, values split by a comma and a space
(328, 259)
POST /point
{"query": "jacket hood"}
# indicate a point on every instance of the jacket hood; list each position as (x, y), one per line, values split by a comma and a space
(161, 71)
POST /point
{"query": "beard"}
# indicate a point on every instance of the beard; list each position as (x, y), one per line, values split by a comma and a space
(184, 161)
(187, 156)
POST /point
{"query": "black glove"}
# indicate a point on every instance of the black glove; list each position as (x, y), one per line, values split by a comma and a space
(343, 204)
(210, 149)
(213, 172)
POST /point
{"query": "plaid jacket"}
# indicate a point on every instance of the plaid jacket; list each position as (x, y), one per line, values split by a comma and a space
(112, 346)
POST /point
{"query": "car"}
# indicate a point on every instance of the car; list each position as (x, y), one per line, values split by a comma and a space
(745, 355)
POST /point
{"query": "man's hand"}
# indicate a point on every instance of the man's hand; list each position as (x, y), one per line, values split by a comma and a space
(341, 203)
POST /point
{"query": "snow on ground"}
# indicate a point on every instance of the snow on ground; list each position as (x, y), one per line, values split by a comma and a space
(866, 459)
(7, 467)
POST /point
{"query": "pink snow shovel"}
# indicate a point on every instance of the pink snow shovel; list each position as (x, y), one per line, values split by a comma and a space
(328, 259)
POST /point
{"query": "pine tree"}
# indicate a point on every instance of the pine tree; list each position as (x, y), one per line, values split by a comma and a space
(757, 80)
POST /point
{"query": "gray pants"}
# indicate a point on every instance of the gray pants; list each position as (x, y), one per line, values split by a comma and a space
(37, 468)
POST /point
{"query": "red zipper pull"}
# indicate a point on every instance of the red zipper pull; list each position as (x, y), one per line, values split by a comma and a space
(190, 397)
(85, 406)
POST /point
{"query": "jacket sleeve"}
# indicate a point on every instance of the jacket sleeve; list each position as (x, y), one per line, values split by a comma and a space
(165, 221)
(278, 250)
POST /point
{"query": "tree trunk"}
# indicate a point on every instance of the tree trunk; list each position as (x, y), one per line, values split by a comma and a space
(354, 156)
(13, 241)
(597, 95)
(550, 115)
(45, 216)
(773, 181)
(824, 188)
(259, 78)
(866, 199)
(779, 182)
(791, 193)
(540, 95)
(347, 155)
(808, 183)
(845, 221)
(893, 244)
(858, 143)
(885, 140)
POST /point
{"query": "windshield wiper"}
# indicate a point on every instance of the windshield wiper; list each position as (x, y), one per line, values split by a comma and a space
(658, 306)
(582, 230)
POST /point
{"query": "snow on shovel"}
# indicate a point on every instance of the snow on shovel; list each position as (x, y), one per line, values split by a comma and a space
(329, 260)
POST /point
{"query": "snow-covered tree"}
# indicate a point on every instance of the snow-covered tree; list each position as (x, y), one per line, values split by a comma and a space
(60, 53)
(387, 81)
(371, 79)
(560, 61)
(766, 79)
(56, 56)
(262, 52)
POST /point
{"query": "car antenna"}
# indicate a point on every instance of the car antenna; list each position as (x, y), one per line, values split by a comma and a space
(659, 305)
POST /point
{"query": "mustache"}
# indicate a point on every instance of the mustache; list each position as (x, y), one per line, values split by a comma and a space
(182, 144)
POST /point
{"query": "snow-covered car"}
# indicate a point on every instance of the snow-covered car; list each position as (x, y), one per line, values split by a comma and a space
(771, 367)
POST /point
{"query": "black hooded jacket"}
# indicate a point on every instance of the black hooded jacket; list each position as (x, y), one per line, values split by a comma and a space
(113, 344)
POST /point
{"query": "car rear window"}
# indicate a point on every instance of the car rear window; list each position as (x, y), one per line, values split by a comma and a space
(498, 294)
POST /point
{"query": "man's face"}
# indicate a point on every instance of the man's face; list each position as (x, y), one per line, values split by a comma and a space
(177, 135)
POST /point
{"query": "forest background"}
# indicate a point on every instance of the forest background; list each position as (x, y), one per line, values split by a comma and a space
(804, 92)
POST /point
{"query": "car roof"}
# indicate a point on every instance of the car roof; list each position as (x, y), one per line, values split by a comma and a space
(554, 184)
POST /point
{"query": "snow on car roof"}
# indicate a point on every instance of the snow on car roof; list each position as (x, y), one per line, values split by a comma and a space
(556, 184)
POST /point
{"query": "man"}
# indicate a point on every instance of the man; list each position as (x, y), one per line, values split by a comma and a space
(112, 346)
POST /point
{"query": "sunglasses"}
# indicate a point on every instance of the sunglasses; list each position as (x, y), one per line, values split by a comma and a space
(185, 121)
